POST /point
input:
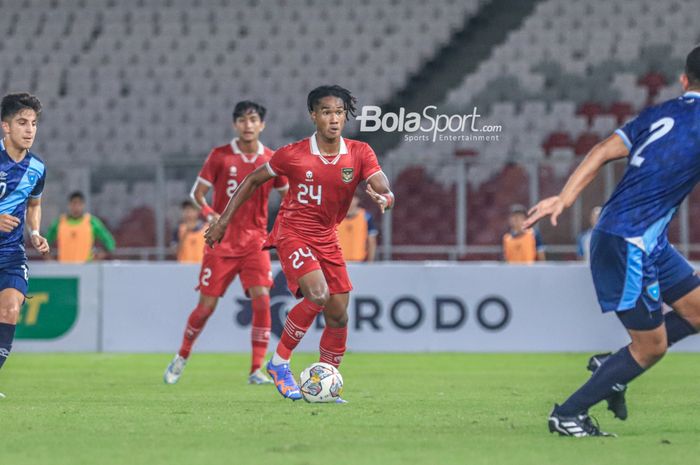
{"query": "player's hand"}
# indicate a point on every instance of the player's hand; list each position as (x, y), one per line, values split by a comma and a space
(551, 206)
(8, 223)
(379, 199)
(213, 218)
(214, 233)
(40, 244)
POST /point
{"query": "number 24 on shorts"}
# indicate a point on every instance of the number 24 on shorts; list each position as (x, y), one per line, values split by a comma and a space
(298, 256)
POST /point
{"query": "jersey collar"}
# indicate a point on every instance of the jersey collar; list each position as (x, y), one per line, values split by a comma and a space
(4, 150)
(692, 94)
(237, 151)
(316, 151)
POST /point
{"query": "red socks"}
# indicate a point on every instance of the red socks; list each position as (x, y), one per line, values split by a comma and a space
(260, 333)
(298, 321)
(195, 324)
(333, 345)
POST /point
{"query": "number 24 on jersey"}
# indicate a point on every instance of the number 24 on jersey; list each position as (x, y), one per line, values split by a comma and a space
(309, 193)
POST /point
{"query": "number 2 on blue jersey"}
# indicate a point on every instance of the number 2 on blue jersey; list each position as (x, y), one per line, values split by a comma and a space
(664, 125)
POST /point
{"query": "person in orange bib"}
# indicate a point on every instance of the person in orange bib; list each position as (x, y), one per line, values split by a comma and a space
(521, 245)
(189, 236)
(76, 232)
(357, 233)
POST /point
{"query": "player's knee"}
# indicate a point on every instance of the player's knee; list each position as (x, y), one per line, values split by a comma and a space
(209, 302)
(337, 321)
(9, 312)
(258, 291)
(319, 295)
(649, 352)
(655, 353)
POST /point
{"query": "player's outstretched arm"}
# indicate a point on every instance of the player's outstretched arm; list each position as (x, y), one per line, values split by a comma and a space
(378, 189)
(199, 197)
(33, 224)
(610, 149)
(251, 182)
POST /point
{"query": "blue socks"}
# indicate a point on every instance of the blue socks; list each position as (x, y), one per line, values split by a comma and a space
(619, 369)
(677, 328)
(7, 334)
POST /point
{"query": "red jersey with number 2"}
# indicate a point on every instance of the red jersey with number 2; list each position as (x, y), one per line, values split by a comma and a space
(224, 169)
(320, 188)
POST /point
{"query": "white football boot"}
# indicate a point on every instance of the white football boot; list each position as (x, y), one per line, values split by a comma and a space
(258, 377)
(174, 370)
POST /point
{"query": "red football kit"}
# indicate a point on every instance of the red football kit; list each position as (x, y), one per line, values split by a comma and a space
(240, 250)
(320, 191)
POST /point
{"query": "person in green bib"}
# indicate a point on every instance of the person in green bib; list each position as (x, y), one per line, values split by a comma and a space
(76, 232)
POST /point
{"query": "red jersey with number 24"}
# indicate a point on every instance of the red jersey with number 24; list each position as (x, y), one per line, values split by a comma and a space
(224, 169)
(320, 187)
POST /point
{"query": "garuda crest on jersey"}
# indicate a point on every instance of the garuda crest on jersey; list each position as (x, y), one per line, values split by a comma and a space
(347, 174)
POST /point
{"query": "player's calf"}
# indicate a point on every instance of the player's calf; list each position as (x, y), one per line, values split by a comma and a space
(10, 304)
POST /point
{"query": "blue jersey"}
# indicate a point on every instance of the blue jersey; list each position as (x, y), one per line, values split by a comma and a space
(18, 183)
(663, 167)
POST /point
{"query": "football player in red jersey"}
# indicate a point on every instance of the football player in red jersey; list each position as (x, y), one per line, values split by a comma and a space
(240, 252)
(323, 171)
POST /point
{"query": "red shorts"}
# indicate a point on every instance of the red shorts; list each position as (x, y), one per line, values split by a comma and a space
(217, 273)
(299, 257)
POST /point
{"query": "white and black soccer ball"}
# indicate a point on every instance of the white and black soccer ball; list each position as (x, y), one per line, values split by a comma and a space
(321, 382)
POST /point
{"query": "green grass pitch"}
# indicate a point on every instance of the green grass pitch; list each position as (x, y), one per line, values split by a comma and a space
(404, 409)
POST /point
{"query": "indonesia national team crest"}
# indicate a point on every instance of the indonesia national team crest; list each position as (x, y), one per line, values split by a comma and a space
(347, 174)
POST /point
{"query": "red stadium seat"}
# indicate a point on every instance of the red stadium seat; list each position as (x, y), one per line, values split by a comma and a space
(622, 111)
(590, 110)
(653, 81)
(137, 229)
(557, 140)
(585, 142)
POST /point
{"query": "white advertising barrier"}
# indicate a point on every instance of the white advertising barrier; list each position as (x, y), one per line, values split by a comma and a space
(395, 307)
(62, 311)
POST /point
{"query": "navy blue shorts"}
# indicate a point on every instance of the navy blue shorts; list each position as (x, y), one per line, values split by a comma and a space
(15, 277)
(635, 284)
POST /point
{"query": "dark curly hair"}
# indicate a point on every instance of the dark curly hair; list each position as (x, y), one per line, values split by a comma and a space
(14, 103)
(332, 91)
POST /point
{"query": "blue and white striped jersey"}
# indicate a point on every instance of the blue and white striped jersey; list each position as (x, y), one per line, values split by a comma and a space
(18, 183)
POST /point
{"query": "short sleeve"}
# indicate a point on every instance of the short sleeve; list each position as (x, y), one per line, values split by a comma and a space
(370, 164)
(38, 187)
(277, 164)
(280, 182)
(208, 171)
(635, 128)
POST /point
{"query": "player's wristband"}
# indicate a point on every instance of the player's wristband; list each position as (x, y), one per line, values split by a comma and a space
(207, 212)
(34, 232)
(389, 200)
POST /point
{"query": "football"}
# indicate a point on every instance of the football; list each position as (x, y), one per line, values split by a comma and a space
(321, 382)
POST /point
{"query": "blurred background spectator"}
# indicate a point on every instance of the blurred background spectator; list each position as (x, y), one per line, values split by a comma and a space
(358, 234)
(189, 236)
(584, 239)
(521, 245)
(75, 234)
